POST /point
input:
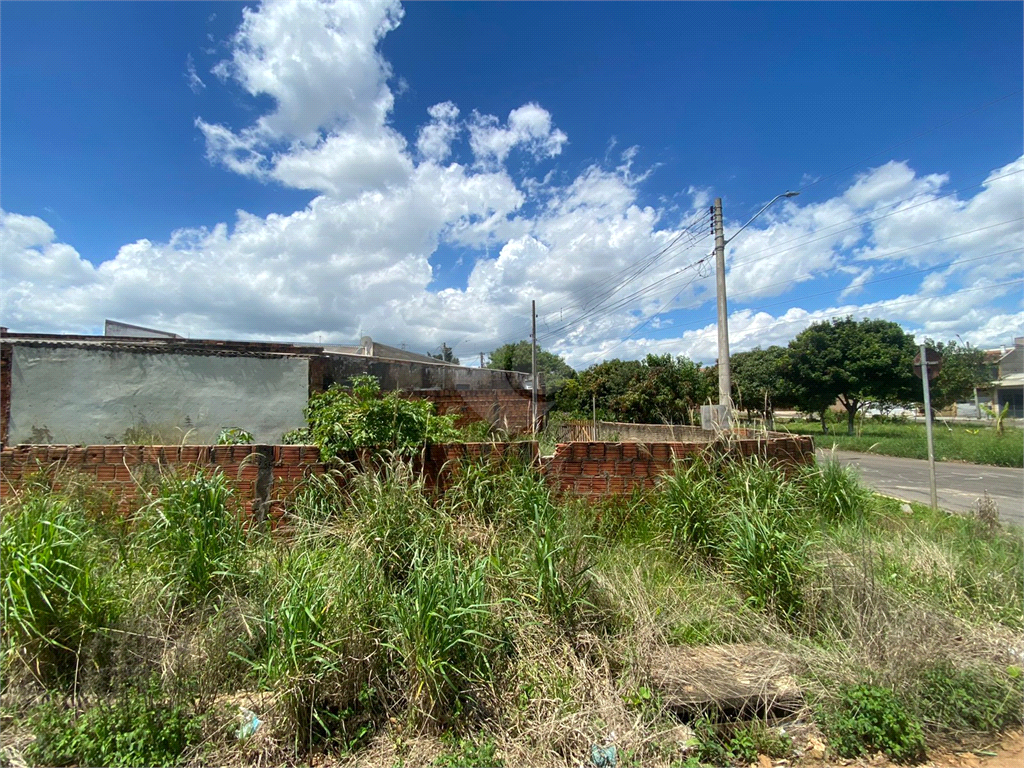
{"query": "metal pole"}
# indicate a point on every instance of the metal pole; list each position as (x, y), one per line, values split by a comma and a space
(724, 378)
(593, 405)
(928, 428)
(533, 399)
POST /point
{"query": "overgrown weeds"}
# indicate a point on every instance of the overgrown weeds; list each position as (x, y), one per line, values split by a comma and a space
(495, 621)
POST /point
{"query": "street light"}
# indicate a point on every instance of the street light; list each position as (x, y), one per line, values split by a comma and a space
(724, 377)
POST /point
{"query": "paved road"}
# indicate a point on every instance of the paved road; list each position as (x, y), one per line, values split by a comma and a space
(959, 485)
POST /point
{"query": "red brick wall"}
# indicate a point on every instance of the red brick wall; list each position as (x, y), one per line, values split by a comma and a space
(593, 470)
(119, 469)
(601, 469)
(508, 409)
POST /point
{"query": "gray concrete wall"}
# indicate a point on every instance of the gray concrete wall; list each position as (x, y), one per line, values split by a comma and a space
(74, 395)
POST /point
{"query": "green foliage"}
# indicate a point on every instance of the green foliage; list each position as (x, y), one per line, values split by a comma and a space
(977, 699)
(234, 436)
(342, 421)
(55, 591)
(299, 436)
(445, 355)
(518, 357)
(194, 534)
(852, 361)
(139, 727)
(468, 753)
(758, 381)
(868, 718)
(963, 369)
(656, 390)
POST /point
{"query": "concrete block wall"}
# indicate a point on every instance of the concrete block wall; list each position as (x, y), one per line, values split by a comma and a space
(597, 469)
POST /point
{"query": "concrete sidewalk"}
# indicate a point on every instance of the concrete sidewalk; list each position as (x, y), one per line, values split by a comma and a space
(959, 485)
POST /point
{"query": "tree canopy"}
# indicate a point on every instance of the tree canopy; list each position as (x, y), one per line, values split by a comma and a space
(657, 390)
(518, 357)
(759, 384)
(446, 355)
(963, 369)
(852, 361)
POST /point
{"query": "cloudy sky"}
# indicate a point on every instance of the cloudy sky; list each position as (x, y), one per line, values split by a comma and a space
(319, 171)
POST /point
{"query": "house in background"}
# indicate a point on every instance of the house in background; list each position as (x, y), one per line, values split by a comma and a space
(1008, 389)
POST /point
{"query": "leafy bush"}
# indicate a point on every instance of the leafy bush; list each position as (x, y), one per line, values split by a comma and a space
(869, 718)
(234, 436)
(299, 436)
(137, 728)
(364, 418)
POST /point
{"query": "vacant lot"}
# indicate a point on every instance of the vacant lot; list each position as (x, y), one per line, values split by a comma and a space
(499, 625)
(977, 445)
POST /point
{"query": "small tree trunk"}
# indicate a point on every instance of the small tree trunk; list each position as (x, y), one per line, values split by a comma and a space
(851, 413)
(824, 426)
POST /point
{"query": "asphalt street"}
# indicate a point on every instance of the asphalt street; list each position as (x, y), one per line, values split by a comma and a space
(959, 485)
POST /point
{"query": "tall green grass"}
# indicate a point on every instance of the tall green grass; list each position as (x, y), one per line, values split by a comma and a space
(386, 613)
(56, 590)
(953, 442)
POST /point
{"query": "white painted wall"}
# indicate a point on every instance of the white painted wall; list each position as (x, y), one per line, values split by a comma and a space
(92, 396)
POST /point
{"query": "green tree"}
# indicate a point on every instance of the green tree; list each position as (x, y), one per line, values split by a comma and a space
(851, 361)
(446, 355)
(657, 390)
(518, 357)
(963, 369)
(759, 384)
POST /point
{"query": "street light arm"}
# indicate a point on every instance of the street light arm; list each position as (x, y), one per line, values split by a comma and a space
(784, 194)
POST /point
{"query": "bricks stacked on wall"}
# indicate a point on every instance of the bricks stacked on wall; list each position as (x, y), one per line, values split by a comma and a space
(597, 469)
(507, 409)
(125, 470)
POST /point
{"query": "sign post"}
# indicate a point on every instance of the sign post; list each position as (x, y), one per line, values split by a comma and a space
(927, 365)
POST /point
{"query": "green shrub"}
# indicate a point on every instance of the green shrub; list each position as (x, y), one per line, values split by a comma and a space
(234, 436)
(137, 728)
(869, 718)
(972, 699)
(468, 753)
(340, 420)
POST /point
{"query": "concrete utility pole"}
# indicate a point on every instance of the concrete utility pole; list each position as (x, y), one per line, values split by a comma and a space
(724, 377)
(928, 426)
(533, 399)
(481, 359)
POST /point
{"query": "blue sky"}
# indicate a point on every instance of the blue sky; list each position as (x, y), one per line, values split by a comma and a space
(420, 173)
